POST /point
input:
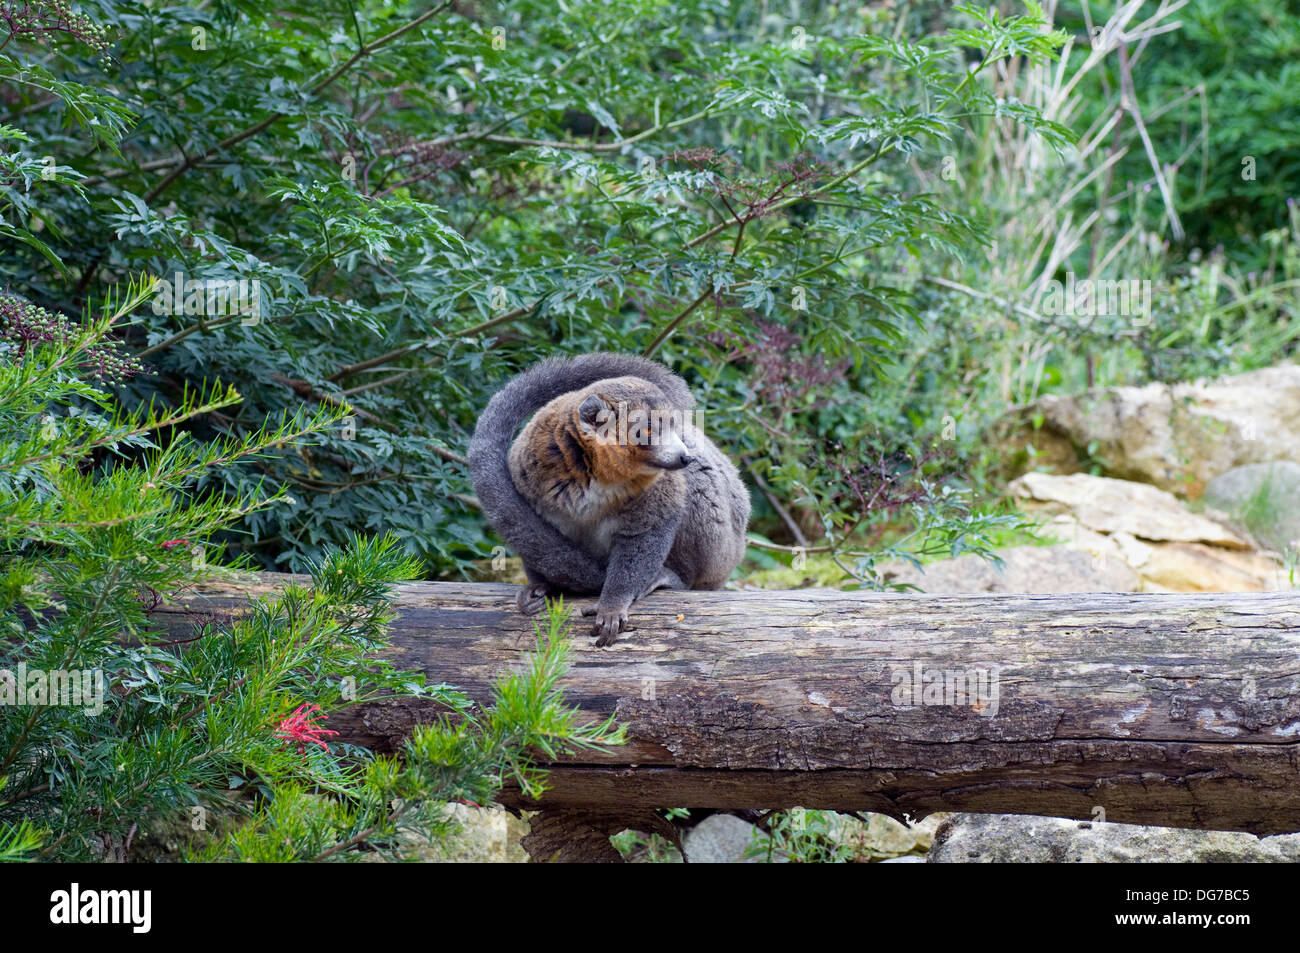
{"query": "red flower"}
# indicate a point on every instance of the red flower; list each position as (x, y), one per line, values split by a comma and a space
(173, 542)
(301, 727)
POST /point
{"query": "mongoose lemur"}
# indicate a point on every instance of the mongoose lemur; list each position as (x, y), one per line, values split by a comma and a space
(609, 489)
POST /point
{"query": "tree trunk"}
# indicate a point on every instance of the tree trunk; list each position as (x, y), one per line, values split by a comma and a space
(1172, 710)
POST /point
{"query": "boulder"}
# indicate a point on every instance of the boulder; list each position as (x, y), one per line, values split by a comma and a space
(878, 837)
(1119, 506)
(1178, 437)
(727, 839)
(1264, 497)
(1112, 536)
(1002, 838)
(478, 835)
(1147, 530)
(724, 839)
(1023, 569)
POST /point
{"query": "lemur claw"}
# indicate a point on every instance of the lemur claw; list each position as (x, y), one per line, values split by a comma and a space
(609, 623)
(532, 599)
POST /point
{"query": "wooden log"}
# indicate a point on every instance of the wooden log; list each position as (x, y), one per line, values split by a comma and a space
(1172, 710)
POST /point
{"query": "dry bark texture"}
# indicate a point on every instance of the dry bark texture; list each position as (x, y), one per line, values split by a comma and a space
(1162, 709)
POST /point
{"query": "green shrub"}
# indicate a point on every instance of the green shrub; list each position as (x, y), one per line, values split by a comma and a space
(429, 198)
(114, 728)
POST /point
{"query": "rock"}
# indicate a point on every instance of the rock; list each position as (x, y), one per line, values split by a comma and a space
(482, 836)
(1114, 536)
(1120, 506)
(995, 838)
(881, 837)
(1168, 547)
(1024, 569)
(1177, 437)
(1193, 567)
(1264, 497)
(723, 839)
(905, 859)
(810, 836)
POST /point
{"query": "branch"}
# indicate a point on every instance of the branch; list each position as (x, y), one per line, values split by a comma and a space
(484, 135)
(673, 324)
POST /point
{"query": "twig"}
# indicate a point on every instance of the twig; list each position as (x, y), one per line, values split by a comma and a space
(1128, 99)
(672, 325)
(781, 511)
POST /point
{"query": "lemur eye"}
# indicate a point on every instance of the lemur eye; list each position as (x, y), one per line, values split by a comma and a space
(663, 423)
(636, 429)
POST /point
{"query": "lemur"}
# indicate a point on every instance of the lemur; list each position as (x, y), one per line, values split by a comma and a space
(605, 490)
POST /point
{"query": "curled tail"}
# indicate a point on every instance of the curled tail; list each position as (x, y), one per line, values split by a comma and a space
(546, 552)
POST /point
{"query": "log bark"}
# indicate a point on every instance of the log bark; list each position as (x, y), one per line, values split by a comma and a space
(1172, 710)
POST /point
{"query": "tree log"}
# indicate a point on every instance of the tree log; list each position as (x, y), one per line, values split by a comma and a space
(1172, 710)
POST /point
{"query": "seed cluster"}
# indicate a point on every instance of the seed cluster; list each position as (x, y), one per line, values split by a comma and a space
(45, 21)
(24, 326)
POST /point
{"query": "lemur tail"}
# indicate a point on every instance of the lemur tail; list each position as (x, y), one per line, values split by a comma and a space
(542, 547)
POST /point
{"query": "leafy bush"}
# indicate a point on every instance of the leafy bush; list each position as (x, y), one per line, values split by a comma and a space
(420, 200)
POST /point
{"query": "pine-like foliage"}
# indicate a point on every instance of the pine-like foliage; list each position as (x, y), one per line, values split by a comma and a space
(116, 733)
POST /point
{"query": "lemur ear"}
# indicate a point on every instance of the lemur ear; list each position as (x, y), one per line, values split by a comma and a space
(589, 412)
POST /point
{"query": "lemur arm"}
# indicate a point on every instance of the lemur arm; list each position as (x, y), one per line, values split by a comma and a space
(636, 566)
(547, 554)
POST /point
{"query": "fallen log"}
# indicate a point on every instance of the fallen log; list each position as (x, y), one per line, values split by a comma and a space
(1171, 710)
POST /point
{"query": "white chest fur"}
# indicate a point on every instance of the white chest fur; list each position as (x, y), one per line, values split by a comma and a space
(588, 517)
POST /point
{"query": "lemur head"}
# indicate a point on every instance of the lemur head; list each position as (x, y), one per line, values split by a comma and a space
(632, 428)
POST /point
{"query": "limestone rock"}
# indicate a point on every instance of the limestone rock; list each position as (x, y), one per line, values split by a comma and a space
(1168, 547)
(1265, 497)
(722, 839)
(1177, 437)
(1024, 569)
(482, 836)
(999, 838)
(1120, 506)
(881, 837)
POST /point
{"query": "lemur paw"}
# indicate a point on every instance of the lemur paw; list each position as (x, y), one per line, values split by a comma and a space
(609, 623)
(532, 599)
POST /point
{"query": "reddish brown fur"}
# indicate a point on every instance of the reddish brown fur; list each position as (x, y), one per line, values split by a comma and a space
(577, 478)
(582, 457)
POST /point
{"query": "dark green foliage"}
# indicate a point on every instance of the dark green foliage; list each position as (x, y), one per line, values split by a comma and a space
(1222, 94)
(430, 197)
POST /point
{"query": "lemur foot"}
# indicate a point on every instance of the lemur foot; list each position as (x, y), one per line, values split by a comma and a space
(532, 599)
(667, 579)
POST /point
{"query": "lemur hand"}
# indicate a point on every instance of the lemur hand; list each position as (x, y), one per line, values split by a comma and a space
(609, 623)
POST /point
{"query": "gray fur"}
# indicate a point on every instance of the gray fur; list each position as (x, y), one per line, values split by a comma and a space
(711, 539)
(550, 558)
(687, 530)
